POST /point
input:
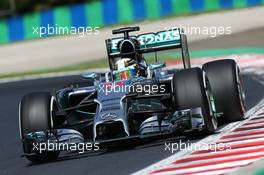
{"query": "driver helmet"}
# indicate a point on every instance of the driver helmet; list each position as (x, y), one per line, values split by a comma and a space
(123, 70)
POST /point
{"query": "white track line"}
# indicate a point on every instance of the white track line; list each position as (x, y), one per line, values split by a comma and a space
(230, 143)
(244, 138)
(222, 158)
(234, 133)
(210, 167)
(215, 172)
(226, 152)
(254, 122)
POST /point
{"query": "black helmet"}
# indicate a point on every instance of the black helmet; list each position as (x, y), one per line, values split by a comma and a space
(129, 48)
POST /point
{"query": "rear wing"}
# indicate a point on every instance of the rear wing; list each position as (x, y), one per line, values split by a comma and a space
(153, 42)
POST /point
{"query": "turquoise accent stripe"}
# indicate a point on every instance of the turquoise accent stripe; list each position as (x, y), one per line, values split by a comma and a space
(240, 3)
(211, 5)
(94, 14)
(181, 7)
(31, 22)
(62, 17)
(153, 8)
(125, 11)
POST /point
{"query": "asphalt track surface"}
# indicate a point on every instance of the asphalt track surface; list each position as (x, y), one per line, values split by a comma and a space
(123, 161)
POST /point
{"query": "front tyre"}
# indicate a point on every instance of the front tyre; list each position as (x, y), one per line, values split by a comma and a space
(36, 115)
(191, 90)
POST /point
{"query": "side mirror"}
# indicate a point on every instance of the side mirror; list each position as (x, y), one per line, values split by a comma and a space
(157, 66)
(97, 77)
(90, 76)
(152, 68)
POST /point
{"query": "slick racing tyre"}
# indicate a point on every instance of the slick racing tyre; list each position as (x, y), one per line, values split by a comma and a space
(36, 115)
(191, 90)
(227, 89)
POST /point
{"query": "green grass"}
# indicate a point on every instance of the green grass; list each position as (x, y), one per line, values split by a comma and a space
(77, 67)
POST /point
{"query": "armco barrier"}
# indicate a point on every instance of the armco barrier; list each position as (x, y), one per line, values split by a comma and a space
(108, 12)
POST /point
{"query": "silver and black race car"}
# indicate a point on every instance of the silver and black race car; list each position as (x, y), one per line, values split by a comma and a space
(134, 100)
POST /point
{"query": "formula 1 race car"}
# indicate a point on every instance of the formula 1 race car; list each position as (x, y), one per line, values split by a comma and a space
(135, 99)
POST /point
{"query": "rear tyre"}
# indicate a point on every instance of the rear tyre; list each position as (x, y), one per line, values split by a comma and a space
(36, 115)
(227, 89)
(190, 90)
